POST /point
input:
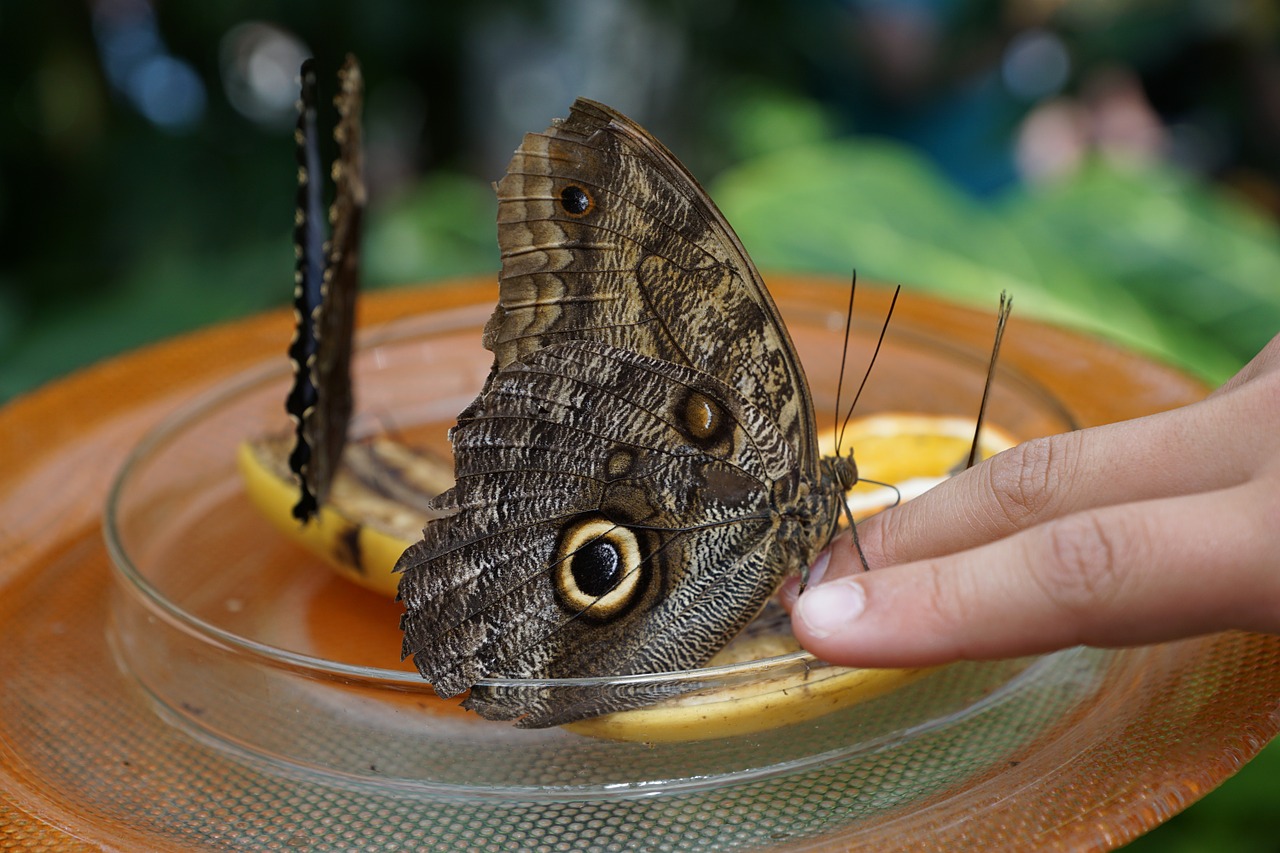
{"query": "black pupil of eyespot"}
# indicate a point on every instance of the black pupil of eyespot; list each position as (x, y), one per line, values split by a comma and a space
(574, 200)
(597, 567)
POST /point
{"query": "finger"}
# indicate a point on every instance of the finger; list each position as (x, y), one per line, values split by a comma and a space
(1267, 361)
(1194, 449)
(1120, 576)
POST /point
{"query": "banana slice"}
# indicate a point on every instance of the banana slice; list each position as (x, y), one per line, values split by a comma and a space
(756, 703)
(378, 505)
(912, 452)
(748, 708)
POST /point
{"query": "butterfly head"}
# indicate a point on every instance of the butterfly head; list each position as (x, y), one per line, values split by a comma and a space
(843, 471)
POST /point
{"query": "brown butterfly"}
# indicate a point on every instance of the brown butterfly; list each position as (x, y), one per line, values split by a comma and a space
(641, 468)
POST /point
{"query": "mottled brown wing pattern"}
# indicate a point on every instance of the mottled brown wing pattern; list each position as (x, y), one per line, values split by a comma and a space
(584, 434)
(606, 236)
(639, 471)
(326, 284)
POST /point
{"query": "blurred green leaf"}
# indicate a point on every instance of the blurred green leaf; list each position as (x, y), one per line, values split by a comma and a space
(443, 227)
(761, 119)
(1204, 266)
(1141, 258)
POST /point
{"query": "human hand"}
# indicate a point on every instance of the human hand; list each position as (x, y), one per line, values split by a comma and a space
(1148, 530)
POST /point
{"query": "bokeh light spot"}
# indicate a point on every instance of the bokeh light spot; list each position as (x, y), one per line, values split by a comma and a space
(260, 64)
(1036, 65)
(168, 92)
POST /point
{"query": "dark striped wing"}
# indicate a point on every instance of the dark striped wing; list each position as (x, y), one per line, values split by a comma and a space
(325, 287)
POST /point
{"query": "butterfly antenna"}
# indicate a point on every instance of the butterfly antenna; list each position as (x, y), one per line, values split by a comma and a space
(865, 376)
(1002, 317)
(844, 355)
(844, 425)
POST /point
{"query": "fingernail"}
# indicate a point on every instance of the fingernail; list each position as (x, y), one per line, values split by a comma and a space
(819, 568)
(828, 608)
(790, 590)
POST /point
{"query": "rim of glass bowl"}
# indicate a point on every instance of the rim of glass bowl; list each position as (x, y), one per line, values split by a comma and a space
(136, 583)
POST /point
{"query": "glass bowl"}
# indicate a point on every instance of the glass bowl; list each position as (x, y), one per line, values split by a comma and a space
(248, 643)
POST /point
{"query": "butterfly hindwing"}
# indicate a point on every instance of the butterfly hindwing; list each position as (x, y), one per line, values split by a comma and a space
(586, 447)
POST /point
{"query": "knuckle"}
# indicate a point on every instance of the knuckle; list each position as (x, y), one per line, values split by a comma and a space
(1080, 572)
(939, 601)
(943, 612)
(1026, 480)
(1269, 394)
(878, 535)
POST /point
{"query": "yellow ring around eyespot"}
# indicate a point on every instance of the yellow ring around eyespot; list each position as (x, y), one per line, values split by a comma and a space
(581, 534)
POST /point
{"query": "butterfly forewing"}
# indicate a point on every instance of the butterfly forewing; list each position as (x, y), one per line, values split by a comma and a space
(606, 236)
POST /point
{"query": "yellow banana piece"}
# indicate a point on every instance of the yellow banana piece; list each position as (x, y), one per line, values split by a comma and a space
(748, 708)
(377, 507)
(755, 704)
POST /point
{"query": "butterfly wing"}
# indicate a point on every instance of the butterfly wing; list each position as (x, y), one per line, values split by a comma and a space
(606, 236)
(326, 284)
(596, 512)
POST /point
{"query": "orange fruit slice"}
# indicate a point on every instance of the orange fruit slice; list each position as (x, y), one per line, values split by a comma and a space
(910, 452)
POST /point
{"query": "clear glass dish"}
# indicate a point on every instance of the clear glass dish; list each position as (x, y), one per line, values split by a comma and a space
(246, 642)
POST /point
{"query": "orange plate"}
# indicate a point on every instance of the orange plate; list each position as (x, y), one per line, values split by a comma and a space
(1159, 738)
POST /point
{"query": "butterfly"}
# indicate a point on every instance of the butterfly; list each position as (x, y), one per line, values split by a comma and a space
(641, 468)
(326, 281)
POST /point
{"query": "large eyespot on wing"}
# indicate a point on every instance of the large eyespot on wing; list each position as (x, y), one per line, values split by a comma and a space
(605, 236)
(598, 568)
(325, 287)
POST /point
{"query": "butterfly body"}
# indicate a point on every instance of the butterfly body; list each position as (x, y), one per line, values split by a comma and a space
(640, 470)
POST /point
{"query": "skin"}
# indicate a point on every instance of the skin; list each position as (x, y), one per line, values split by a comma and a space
(1143, 531)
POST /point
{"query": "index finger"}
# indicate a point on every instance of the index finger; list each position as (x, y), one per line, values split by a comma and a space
(1045, 478)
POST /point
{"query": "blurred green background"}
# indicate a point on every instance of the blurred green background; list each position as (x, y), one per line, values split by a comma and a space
(1113, 163)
